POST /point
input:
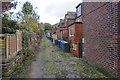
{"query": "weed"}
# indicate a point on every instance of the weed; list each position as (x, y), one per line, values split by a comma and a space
(20, 52)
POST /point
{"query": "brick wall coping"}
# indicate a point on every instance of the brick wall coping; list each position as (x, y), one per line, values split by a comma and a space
(75, 23)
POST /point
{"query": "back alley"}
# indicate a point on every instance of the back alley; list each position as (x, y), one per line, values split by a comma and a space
(51, 62)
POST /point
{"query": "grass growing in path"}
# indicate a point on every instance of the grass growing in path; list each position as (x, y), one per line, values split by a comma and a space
(74, 64)
(81, 66)
(20, 70)
(88, 71)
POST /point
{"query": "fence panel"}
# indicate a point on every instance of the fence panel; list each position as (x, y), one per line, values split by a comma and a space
(11, 44)
(19, 40)
(2, 45)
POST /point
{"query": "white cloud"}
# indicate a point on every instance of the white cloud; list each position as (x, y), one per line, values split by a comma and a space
(51, 11)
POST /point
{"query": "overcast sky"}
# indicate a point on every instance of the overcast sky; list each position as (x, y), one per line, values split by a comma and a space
(51, 11)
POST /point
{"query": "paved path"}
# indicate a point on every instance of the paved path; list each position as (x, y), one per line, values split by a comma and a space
(51, 62)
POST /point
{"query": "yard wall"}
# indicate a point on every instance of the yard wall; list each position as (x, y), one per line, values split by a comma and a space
(58, 33)
(77, 32)
(75, 52)
(101, 31)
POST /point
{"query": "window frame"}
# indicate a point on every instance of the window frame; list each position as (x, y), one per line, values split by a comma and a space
(71, 35)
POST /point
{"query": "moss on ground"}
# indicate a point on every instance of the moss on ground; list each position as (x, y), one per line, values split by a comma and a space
(54, 68)
(86, 71)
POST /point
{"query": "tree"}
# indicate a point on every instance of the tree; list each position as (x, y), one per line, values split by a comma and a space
(47, 26)
(27, 8)
(9, 26)
(29, 17)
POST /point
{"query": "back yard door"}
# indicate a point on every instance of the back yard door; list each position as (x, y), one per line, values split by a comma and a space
(80, 47)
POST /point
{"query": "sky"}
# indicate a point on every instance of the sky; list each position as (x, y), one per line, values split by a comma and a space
(50, 11)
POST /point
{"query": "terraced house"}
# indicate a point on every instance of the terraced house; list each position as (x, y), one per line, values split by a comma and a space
(101, 32)
(75, 33)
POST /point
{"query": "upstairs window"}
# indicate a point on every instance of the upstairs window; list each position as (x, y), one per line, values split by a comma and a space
(79, 11)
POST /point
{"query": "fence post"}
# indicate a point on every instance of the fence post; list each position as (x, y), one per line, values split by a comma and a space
(6, 45)
(16, 42)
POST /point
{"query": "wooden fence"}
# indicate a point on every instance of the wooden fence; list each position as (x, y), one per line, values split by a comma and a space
(11, 44)
(2, 45)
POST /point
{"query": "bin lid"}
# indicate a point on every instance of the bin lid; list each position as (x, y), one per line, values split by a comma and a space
(55, 39)
(64, 42)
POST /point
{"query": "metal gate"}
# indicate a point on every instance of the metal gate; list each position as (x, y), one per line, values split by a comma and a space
(80, 48)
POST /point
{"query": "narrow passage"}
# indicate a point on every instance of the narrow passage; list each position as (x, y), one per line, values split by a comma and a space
(51, 62)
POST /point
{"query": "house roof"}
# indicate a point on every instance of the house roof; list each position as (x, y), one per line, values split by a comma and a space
(71, 15)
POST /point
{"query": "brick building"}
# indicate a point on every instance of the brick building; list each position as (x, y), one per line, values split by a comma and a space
(79, 13)
(101, 34)
(62, 30)
(62, 23)
(61, 33)
(70, 18)
(74, 34)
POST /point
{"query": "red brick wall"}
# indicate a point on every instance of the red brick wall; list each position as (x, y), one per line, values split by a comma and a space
(79, 19)
(118, 56)
(65, 34)
(69, 37)
(59, 34)
(77, 33)
(75, 52)
(70, 21)
(100, 30)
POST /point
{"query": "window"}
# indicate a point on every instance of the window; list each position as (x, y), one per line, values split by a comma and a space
(74, 47)
(71, 32)
(79, 11)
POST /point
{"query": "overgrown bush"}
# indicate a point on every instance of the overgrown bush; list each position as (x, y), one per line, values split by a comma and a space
(29, 52)
(6, 30)
(41, 31)
(10, 26)
(26, 39)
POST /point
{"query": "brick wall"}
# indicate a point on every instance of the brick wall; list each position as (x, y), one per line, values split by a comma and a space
(77, 32)
(70, 21)
(101, 31)
(58, 33)
(79, 19)
(65, 34)
(75, 52)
